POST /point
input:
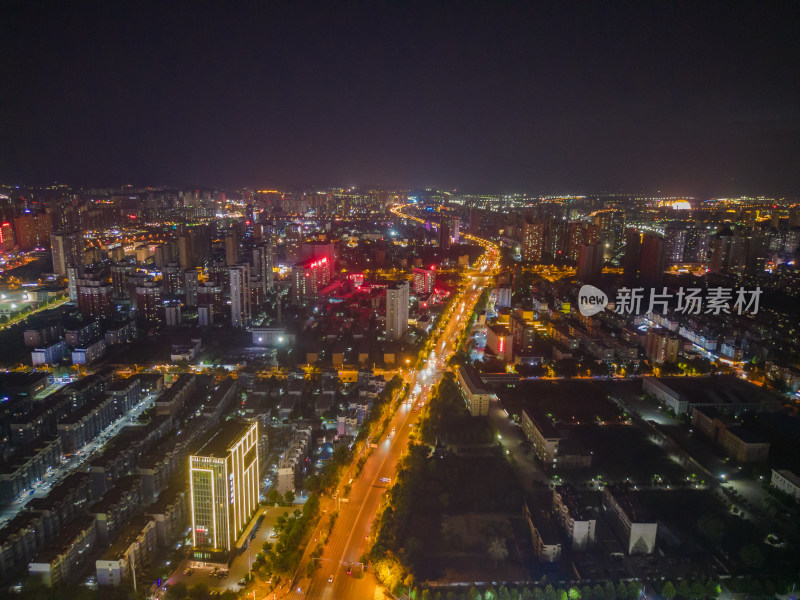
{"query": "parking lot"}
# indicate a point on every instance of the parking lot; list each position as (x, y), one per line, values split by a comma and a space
(240, 566)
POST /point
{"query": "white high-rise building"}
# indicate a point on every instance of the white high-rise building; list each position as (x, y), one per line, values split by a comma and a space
(73, 275)
(240, 295)
(262, 265)
(396, 310)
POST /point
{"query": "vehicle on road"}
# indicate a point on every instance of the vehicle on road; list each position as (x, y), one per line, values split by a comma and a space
(330, 579)
(386, 480)
(349, 570)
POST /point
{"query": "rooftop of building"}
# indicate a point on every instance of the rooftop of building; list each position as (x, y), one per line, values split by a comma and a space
(546, 528)
(123, 384)
(310, 263)
(65, 539)
(711, 412)
(85, 410)
(542, 423)
(42, 408)
(60, 492)
(121, 488)
(570, 499)
(500, 330)
(472, 380)
(87, 382)
(791, 477)
(718, 389)
(220, 440)
(126, 537)
(169, 497)
(746, 436)
(628, 502)
(221, 391)
(14, 380)
(150, 377)
(24, 520)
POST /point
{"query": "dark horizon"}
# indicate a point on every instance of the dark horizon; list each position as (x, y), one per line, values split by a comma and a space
(683, 100)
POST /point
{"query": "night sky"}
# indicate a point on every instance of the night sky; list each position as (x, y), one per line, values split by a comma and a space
(677, 97)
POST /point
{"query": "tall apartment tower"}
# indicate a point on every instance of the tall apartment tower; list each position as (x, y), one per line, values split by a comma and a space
(262, 265)
(240, 295)
(149, 303)
(455, 230)
(294, 241)
(396, 310)
(532, 241)
(186, 256)
(224, 487)
(231, 249)
(424, 280)
(318, 250)
(652, 259)
(73, 275)
(67, 248)
(590, 262)
(633, 247)
(190, 286)
(445, 236)
(94, 299)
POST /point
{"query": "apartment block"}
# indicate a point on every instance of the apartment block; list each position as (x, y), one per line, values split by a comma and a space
(541, 432)
(545, 538)
(633, 524)
(575, 519)
(133, 549)
(291, 461)
(64, 558)
(786, 482)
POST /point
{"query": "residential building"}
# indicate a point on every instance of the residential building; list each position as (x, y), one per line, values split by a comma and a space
(424, 280)
(541, 432)
(590, 262)
(134, 548)
(633, 523)
(49, 355)
(308, 278)
(532, 241)
(476, 396)
(661, 346)
(397, 300)
(67, 249)
(290, 463)
(786, 482)
(271, 337)
(94, 299)
(545, 538)
(504, 296)
(575, 519)
(240, 295)
(61, 560)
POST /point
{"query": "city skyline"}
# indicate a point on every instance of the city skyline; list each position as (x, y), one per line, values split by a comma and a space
(416, 300)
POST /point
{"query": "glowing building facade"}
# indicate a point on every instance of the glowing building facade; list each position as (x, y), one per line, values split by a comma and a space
(223, 477)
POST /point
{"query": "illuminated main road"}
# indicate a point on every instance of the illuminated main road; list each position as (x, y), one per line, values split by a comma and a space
(348, 539)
